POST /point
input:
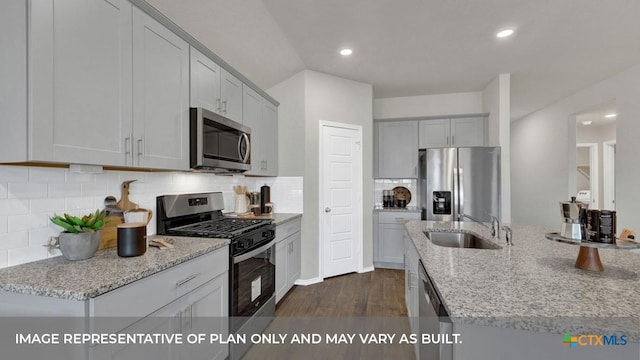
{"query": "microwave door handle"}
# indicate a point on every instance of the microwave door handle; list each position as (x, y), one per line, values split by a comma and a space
(244, 157)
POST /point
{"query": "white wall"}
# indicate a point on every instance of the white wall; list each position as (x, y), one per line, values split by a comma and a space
(327, 98)
(496, 100)
(428, 105)
(30, 195)
(543, 152)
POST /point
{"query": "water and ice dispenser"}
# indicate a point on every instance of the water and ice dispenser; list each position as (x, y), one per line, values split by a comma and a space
(442, 202)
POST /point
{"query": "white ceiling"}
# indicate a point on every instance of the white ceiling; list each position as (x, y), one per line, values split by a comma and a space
(422, 47)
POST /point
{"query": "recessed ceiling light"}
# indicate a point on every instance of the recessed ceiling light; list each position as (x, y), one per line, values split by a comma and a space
(611, 115)
(346, 52)
(587, 122)
(505, 33)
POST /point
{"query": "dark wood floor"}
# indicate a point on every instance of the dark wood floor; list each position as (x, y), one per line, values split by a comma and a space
(375, 293)
(352, 304)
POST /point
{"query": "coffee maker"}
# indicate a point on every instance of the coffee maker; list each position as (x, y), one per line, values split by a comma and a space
(574, 219)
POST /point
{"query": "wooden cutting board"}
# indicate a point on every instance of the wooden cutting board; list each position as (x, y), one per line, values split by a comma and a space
(109, 234)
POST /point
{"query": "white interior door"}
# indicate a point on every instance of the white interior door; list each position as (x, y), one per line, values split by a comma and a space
(609, 174)
(340, 199)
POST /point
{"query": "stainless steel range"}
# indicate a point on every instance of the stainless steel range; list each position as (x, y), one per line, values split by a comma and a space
(251, 255)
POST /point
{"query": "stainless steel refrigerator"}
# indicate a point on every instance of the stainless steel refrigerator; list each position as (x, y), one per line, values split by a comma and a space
(456, 181)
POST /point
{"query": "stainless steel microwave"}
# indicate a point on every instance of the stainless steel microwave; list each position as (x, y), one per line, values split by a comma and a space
(218, 144)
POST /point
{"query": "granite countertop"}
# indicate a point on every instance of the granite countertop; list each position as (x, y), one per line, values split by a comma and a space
(532, 285)
(395, 209)
(106, 271)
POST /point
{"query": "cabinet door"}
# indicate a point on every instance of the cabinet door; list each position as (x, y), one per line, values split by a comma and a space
(398, 149)
(293, 265)
(207, 313)
(434, 133)
(282, 259)
(390, 243)
(230, 96)
(161, 95)
(270, 138)
(468, 132)
(252, 117)
(80, 78)
(205, 81)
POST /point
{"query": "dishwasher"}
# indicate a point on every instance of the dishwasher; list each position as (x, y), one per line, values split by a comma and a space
(434, 320)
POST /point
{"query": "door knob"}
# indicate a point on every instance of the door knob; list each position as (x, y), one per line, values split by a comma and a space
(327, 209)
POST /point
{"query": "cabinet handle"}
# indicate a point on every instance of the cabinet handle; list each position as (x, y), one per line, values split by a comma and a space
(415, 170)
(218, 104)
(447, 140)
(453, 139)
(186, 280)
(127, 146)
(224, 102)
(141, 148)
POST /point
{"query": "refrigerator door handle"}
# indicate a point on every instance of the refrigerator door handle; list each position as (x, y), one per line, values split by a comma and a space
(460, 191)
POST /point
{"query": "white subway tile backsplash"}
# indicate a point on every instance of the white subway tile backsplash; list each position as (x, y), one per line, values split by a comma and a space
(30, 195)
(27, 190)
(13, 174)
(79, 203)
(65, 190)
(14, 206)
(52, 175)
(3, 258)
(46, 205)
(23, 255)
(14, 240)
(80, 178)
(18, 223)
(94, 189)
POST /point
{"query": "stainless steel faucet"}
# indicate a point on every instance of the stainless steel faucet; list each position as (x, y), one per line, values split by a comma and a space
(508, 235)
(495, 225)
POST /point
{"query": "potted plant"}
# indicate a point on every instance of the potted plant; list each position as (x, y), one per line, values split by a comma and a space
(81, 236)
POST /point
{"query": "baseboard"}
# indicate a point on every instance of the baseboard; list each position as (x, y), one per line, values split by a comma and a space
(367, 269)
(305, 282)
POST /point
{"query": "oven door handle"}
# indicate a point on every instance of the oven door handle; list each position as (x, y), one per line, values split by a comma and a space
(253, 253)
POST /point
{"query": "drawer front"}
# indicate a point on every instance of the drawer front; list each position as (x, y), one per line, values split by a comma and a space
(396, 217)
(287, 229)
(147, 295)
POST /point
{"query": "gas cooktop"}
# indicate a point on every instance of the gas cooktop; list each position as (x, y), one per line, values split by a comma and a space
(226, 228)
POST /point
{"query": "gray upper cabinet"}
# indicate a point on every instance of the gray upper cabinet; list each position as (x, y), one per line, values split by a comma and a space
(452, 132)
(80, 55)
(214, 88)
(109, 86)
(262, 117)
(160, 95)
(397, 149)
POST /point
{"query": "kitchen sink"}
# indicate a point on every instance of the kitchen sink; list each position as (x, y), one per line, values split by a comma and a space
(460, 240)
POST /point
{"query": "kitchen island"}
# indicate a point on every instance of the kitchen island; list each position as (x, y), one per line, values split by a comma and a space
(530, 288)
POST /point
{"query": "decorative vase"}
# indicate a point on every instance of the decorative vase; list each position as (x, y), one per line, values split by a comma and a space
(79, 246)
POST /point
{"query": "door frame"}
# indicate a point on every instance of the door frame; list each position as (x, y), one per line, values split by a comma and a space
(358, 211)
(608, 174)
(593, 173)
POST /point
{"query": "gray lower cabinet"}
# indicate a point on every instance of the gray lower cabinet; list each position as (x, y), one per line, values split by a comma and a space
(388, 238)
(192, 297)
(411, 287)
(288, 253)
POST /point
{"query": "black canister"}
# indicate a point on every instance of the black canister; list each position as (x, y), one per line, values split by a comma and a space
(593, 225)
(607, 227)
(132, 239)
(265, 197)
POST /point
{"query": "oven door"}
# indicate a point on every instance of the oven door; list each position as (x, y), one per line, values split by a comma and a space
(253, 277)
(218, 143)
